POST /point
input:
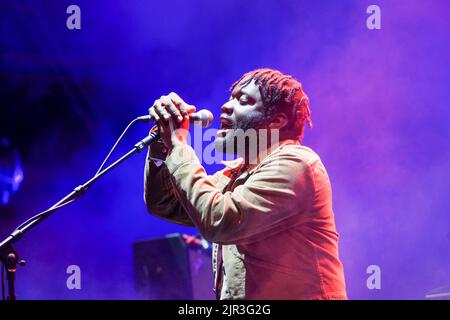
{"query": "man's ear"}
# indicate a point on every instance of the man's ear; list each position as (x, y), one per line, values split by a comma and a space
(279, 121)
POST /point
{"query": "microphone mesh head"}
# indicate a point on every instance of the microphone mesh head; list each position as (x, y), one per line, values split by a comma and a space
(205, 117)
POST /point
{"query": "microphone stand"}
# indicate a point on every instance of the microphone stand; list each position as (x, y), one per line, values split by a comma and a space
(9, 256)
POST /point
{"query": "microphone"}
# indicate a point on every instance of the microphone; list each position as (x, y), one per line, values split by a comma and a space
(205, 117)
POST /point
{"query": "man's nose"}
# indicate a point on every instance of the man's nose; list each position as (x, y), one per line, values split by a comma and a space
(227, 108)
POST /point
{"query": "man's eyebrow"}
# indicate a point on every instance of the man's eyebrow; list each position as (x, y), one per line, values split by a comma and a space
(240, 90)
(236, 91)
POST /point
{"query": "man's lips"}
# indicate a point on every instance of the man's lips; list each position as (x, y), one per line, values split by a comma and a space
(222, 132)
(225, 126)
(225, 123)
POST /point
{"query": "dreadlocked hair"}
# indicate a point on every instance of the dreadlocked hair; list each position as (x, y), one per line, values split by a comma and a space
(280, 93)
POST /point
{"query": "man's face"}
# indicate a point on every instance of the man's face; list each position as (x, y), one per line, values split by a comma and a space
(244, 110)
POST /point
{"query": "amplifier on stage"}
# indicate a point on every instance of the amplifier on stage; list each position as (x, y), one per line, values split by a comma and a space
(176, 267)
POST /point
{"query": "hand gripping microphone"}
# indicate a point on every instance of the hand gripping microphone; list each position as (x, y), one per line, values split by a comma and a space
(203, 118)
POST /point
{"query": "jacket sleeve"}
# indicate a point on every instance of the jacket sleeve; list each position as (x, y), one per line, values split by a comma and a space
(267, 202)
(159, 193)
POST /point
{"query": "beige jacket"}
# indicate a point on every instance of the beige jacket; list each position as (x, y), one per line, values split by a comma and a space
(272, 226)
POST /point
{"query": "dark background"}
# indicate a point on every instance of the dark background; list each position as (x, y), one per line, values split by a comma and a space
(379, 101)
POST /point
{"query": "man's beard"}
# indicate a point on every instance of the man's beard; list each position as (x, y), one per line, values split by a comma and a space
(234, 139)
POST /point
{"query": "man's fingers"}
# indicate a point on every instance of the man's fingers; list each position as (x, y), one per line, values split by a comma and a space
(153, 114)
(171, 106)
(173, 110)
(161, 111)
(175, 98)
(184, 108)
(168, 111)
(190, 108)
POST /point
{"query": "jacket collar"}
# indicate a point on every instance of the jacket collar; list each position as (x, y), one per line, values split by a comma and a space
(233, 165)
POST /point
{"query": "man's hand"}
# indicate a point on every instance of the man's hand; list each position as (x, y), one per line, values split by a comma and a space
(172, 116)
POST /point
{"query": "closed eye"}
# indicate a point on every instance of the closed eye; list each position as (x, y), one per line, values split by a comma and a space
(247, 100)
(243, 98)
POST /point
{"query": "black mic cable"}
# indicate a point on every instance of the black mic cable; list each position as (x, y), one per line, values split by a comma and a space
(204, 118)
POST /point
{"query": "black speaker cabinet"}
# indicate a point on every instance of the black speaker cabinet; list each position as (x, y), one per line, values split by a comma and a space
(169, 269)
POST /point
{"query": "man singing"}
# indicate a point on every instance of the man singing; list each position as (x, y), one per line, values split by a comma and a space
(268, 213)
